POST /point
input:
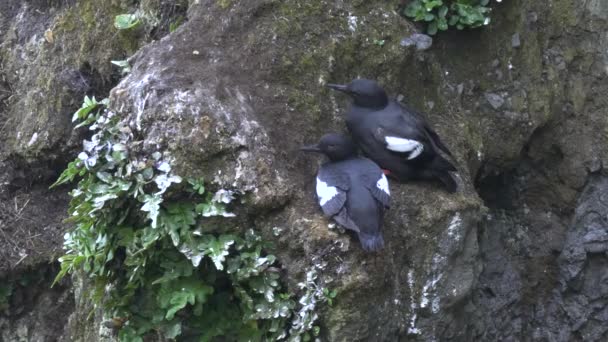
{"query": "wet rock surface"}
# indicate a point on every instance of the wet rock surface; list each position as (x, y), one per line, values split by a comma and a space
(543, 279)
(518, 254)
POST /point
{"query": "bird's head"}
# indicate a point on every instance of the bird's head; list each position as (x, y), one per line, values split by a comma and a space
(365, 93)
(335, 146)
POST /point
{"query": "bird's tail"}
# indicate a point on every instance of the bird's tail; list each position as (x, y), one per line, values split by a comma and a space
(437, 141)
(447, 179)
(371, 242)
(440, 163)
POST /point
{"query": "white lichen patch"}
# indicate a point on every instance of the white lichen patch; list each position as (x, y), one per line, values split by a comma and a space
(239, 171)
(140, 97)
(33, 139)
(247, 129)
(223, 196)
(352, 22)
(183, 103)
(277, 231)
(410, 280)
(454, 227)
(452, 236)
(428, 291)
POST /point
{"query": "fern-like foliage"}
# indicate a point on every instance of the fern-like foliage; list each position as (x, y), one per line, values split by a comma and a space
(141, 235)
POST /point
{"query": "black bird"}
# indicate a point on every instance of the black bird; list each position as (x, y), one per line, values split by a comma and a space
(395, 136)
(352, 190)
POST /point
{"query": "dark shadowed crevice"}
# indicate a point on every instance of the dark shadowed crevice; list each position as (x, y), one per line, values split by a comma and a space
(172, 14)
(497, 189)
(30, 310)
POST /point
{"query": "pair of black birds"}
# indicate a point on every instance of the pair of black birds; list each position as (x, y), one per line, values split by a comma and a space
(354, 190)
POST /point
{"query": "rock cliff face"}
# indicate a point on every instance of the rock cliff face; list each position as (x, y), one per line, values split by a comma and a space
(519, 253)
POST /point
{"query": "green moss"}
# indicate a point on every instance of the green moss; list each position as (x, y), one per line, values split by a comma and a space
(84, 37)
(539, 102)
(562, 12)
(224, 4)
(473, 136)
(294, 9)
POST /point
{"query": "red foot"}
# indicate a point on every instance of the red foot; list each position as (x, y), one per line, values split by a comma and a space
(386, 172)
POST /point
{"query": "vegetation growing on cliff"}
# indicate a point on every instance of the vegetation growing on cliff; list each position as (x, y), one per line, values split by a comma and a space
(157, 263)
(441, 14)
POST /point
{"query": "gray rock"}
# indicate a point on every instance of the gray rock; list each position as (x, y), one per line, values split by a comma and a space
(515, 41)
(495, 100)
(419, 40)
(594, 165)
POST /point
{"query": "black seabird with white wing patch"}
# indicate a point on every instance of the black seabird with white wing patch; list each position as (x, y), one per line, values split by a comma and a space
(352, 190)
(395, 136)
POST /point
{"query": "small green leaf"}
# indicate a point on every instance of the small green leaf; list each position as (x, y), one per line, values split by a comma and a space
(122, 63)
(179, 301)
(430, 5)
(198, 185)
(379, 42)
(104, 177)
(412, 8)
(442, 24)
(129, 334)
(175, 24)
(68, 175)
(217, 249)
(126, 21)
(124, 66)
(173, 330)
(453, 20)
(152, 206)
(163, 182)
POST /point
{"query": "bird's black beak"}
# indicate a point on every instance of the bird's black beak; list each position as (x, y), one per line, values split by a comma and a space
(339, 87)
(311, 148)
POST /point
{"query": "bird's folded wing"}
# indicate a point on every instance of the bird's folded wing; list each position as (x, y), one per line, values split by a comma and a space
(344, 220)
(380, 190)
(401, 140)
(432, 135)
(331, 191)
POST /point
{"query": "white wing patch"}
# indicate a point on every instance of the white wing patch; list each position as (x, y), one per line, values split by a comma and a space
(382, 184)
(325, 192)
(404, 145)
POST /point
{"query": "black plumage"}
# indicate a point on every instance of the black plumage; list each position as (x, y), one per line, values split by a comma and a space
(395, 136)
(352, 190)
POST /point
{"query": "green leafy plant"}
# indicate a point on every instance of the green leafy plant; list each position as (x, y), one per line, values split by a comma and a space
(175, 24)
(87, 113)
(142, 236)
(126, 21)
(330, 295)
(379, 42)
(441, 14)
(124, 66)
